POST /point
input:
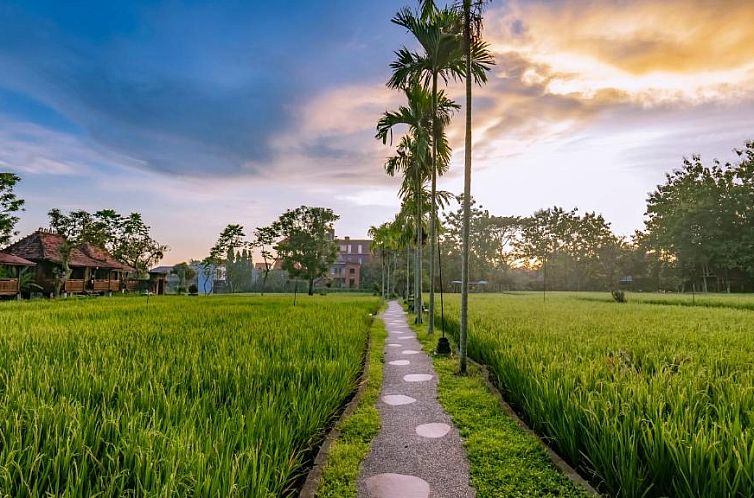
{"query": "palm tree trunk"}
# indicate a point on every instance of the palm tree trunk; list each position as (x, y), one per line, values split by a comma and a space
(463, 336)
(382, 273)
(408, 270)
(418, 308)
(432, 228)
(387, 271)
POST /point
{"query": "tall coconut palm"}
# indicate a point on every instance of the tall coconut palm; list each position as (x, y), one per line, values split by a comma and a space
(412, 164)
(422, 111)
(439, 33)
(472, 28)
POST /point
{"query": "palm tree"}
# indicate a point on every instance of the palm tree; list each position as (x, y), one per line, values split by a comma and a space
(473, 43)
(439, 33)
(418, 116)
(408, 161)
(379, 235)
(441, 56)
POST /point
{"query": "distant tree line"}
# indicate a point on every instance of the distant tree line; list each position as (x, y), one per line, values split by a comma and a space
(698, 236)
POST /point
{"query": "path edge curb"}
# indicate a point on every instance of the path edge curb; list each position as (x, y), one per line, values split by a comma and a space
(314, 476)
(556, 459)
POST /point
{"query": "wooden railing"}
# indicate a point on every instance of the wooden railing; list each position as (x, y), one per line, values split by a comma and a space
(75, 286)
(9, 287)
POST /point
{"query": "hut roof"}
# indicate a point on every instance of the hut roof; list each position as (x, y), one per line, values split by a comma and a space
(11, 260)
(45, 246)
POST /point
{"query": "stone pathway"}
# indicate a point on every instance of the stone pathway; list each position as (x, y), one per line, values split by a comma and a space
(418, 453)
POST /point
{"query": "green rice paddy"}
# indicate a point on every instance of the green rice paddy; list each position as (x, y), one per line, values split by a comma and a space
(645, 399)
(220, 396)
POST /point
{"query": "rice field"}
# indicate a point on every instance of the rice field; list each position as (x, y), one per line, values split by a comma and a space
(220, 396)
(646, 399)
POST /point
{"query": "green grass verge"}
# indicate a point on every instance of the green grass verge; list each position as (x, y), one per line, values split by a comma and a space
(503, 459)
(341, 472)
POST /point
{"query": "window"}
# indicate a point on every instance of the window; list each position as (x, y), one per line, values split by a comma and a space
(351, 271)
(349, 248)
(359, 248)
(342, 248)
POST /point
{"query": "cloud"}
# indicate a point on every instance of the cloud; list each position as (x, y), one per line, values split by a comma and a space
(36, 150)
(691, 50)
(191, 90)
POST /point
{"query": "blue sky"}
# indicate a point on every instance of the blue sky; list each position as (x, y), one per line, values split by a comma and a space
(200, 114)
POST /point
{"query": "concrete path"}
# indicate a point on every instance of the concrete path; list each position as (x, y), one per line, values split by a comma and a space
(418, 453)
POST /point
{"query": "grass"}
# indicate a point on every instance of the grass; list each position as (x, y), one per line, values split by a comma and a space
(503, 459)
(219, 396)
(341, 473)
(648, 400)
(711, 300)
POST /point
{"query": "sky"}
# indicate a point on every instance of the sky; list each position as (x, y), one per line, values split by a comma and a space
(199, 114)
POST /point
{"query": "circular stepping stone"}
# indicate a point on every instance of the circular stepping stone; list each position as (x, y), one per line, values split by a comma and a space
(410, 351)
(397, 486)
(397, 399)
(417, 377)
(400, 363)
(434, 430)
(393, 345)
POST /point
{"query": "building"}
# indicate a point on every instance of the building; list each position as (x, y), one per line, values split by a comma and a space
(345, 273)
(10, 274)
(94, 270)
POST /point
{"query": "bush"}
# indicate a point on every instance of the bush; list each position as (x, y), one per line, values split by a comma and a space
(193, 289)
(619, 296)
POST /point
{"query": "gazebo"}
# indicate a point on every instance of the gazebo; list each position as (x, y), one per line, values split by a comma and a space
(10, 272)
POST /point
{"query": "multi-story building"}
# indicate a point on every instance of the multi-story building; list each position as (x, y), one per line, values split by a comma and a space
(352, 254)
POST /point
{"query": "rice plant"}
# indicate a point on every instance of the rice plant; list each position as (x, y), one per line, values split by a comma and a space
(647, 400)
(221, 396)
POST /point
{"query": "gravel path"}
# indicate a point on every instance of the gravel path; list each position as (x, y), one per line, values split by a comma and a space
(418, 453)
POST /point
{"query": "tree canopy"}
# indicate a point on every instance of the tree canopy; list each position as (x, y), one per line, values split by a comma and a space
(10, 205)
(306, 245)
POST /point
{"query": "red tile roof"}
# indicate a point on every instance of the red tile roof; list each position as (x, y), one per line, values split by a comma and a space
(45, 246)
(11, 260)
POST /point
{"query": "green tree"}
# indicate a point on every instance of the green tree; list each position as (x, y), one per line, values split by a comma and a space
(126, 238)
(306, 247)
(265, 239)
(441, 55)
(73, 228)
(492, 237)
(10, 204)
(703, 217)
(413, 158)
(224, 253)
(185, 273)
(474, 47)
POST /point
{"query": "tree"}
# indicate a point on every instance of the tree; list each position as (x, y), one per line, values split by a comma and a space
(703, 218)
(492, 238)
(185, 273)
(224, 252)
(473, 43)
(208, 268)
(73, 229)
(439, 33)
(126, 238)
(265, 239)
(10, 204)
(131, 242)
(413, 157)
(306, 246)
